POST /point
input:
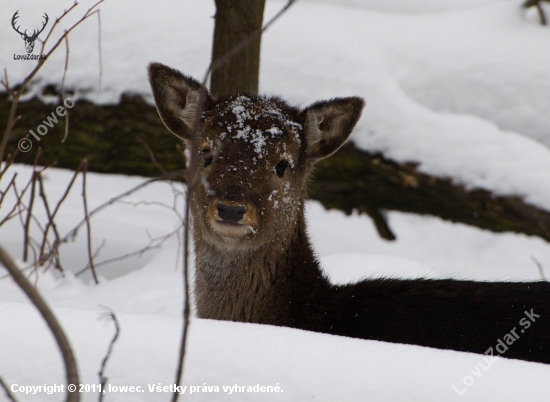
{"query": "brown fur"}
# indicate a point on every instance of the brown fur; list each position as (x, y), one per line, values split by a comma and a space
(254, 261)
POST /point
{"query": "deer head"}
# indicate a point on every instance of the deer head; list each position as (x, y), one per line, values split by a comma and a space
(254, 156)
(29, 40)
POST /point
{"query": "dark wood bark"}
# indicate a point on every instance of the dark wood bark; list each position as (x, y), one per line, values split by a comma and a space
(349, 180)
(236, 20)
(357, 180)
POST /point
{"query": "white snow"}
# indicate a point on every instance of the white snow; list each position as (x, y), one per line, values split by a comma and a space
(246, 111)
(462, 87)
(146, 295)
(459, 86)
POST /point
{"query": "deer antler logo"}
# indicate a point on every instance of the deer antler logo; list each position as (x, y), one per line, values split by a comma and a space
(29, 40)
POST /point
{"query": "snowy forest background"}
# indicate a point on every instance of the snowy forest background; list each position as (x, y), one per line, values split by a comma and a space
(459, 90)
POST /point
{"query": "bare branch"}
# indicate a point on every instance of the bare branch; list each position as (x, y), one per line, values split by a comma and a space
(170, 175)
(71, 369)
(158, 204)
(54, 250)
(99, 49)
(63, 89)
(12, 181)
(191, 172)
(41, 61)
(6, 83)
(51, 223)
(7, 390)
(28, 219)
(541, 269)
(380, 222)
(102, 378)
(538, 6)
(88, 226)
(154, 243)
(57, 20)
(219, 62)
(12, 156)
(94, 256)
(151, 154)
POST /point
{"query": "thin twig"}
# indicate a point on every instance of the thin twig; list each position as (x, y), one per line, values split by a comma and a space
(7, 390)
(140, 252)
(94, 256)
(26, 225)
(71, 369)
(63, 197)
(51, 223)
(158, 165)
(537, 4)
(99, 50)
(72, 233)
(28, 219)
(11, 116)
(57, 21)
(12, 181)
(6, 83)
(542, 15)
(11, 157)
(186, 309)
(151, 154)
(541, 269)
(380, 222)
(170, 175)
(88, 226)
(102, 378)
(63, 89)
(155, 203)
(215, 64)
(78, 169)
(17, 203)
(220, 61)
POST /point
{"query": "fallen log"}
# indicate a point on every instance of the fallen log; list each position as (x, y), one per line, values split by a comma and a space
(351, 179)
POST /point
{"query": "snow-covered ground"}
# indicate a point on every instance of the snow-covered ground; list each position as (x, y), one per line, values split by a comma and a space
(146, 294)
(463, 87)
(437, 76)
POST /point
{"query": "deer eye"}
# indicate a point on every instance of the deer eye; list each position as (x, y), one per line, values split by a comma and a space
(281, 167)
(207, 156)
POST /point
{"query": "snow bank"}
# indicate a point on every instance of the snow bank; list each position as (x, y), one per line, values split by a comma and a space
(146, 295)
(460, 87)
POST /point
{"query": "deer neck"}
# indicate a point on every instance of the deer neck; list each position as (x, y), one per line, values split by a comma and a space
(264, 285)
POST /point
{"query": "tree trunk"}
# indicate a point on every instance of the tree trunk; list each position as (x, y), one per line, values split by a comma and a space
(236, 20)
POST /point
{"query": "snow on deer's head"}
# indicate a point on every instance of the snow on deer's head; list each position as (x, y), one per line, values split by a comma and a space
(254, 156)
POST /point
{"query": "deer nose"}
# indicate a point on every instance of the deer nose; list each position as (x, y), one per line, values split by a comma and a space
(230, 213)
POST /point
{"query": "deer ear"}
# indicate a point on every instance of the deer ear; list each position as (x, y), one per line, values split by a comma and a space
(328, 124)
(176, 97)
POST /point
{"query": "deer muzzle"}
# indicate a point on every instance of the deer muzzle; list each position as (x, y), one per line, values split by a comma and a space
(230, 213)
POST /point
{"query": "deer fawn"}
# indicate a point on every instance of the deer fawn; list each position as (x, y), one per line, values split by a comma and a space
(254, 261)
